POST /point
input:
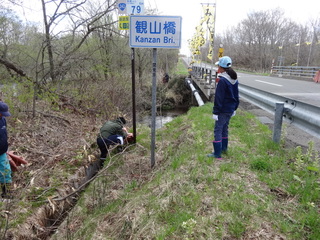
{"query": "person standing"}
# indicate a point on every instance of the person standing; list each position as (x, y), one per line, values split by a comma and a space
(111, 133)
(5, 169)
(226, 102)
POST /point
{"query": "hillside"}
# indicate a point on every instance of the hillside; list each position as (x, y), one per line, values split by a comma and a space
(59, 146)
(260, 190)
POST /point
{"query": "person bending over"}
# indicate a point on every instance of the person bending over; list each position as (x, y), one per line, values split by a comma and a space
(112, 132)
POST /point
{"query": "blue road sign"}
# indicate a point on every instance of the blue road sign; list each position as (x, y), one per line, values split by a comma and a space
(135, 7)
(155, 31)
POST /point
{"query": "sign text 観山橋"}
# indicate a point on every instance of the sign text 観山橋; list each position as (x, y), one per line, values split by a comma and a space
(155, 31)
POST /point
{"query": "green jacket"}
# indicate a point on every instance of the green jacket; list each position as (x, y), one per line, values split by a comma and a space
(112, 127)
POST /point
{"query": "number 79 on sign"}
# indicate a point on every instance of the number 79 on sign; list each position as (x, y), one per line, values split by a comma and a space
(135, 7)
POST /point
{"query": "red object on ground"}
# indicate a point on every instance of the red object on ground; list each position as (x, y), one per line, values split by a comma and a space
(13, 166)
(15, 161)
(317, 77)
(130, 139)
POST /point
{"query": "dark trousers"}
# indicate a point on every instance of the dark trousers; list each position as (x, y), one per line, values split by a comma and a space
(221, 127)
(104, 143)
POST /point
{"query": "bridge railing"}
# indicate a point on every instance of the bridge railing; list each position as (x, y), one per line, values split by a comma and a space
(296, 71)
(204, 71)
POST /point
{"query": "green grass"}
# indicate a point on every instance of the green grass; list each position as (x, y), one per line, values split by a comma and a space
(181, 68)
(258, 188)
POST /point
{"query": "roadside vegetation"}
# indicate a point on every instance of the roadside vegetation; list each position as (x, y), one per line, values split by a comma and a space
(62, 83)
(59, 146)
(259, 190)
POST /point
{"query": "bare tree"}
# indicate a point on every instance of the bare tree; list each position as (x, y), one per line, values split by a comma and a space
(10, 33)
(82, 22)
(262, 37)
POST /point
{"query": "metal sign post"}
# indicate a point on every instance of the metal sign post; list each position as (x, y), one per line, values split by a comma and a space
(122, 6)
(133, 77)
(130, 7)
(154, 106)
(154, 32)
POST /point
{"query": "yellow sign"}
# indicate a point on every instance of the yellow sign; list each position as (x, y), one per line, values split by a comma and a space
(220, 54)
(199, 39)
(123, 22)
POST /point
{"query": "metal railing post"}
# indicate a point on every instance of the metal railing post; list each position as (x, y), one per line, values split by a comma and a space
(278, 122)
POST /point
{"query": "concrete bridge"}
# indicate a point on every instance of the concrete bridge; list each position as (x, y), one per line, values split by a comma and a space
(204, 76)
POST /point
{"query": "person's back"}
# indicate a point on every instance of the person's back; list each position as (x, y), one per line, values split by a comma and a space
(112, 132)
(227, 94)
(226, 102)
(112, 127)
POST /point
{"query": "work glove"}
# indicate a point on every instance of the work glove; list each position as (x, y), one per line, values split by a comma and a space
(15, 161)
(215, 117)
(233, 114)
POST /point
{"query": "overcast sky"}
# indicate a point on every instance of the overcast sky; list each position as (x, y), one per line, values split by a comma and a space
(228, 12)
(231, 12)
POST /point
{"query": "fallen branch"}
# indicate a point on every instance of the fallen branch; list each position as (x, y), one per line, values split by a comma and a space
(51, 116)
(11, 66)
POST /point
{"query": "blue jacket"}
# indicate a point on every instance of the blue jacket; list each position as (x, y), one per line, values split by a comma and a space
(226, 98)
(3, 136)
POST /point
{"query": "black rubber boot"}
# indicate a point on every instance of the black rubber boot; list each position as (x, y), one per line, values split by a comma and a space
(3, 189)
(101, 162)
(120, 148)
(217, 146)
(224, 145)
(5, 192)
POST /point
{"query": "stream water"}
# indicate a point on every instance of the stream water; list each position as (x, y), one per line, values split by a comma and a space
(163, 117)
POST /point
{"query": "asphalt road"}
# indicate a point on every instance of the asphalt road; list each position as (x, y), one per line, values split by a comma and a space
(306, 91)
(300, 90)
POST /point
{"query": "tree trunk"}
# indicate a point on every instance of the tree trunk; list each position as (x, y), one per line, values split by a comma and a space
(48, 41)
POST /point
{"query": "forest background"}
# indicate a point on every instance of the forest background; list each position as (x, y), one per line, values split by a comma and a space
(79, 56)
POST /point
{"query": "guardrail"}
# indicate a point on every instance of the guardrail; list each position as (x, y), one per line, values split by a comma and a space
(195, 92)
(302, 115)
(296, 71)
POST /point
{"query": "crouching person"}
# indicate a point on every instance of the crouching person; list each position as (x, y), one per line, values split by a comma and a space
(112, 132)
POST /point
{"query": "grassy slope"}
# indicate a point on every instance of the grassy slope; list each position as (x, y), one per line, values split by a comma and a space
(258, 191)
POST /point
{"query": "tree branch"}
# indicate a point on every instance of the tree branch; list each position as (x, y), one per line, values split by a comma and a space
(11, 66)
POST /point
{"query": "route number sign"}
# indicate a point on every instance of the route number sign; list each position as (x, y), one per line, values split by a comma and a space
(135, 7)
(122, 6)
